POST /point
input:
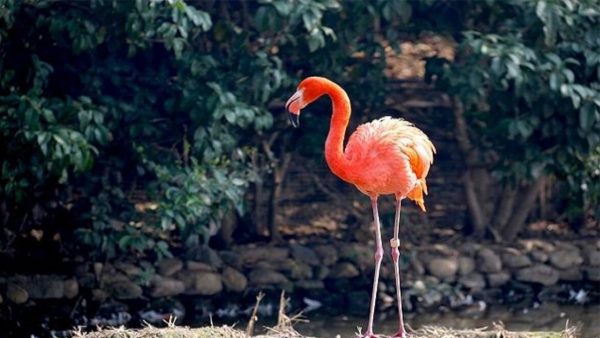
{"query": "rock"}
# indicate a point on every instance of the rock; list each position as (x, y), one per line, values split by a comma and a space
(343, 270)
(567, 246)
(497, 279)
(359, 254)
(443, 267)
(99, 295)
(284, 266)
(198, 266)
(470, 248)
(81, 270)
(234, 280)
(593, 257)
(593, 273)
(125, 290)
(515, 260)
(321, 272)
(110, 278)
(328, 254)
(169, 266)
(473, 281)
(232, 259)
(488, 261)
(304, 254)
(98, 268)
(201, 282)
(538, 273)
(539, 256)
(71, 288)
(310, 284)
(417, 266)
(431, 281)
(267, 277)
(42, 286)
(16, 294)
(466, 265)
(129, 269)
(206, 255)
(564, 259)
(87, 281)
(301, 270)
(250, 256)
(277, 266)
(166, 287)
(572, 274)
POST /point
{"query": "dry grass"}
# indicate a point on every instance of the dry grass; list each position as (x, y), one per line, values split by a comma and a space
(285, 329)
(229, 332)
(497, 332)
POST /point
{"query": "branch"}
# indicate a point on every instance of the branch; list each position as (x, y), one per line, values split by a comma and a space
(254, 318)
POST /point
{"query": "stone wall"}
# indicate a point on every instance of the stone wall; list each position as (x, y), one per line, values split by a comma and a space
(339, 270)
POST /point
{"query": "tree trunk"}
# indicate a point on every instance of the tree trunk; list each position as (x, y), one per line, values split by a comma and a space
(517, 221)
(259, 217)
(474, 205)
(279, 173)
(475, 210)
(505, 207)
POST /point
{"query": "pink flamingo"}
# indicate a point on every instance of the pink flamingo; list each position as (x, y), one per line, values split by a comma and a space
(382, 157)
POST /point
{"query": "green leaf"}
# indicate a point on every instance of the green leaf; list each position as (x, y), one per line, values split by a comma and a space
(178, 47)
(587, 116)
(199, 18)
(283, 7)
(555, 81)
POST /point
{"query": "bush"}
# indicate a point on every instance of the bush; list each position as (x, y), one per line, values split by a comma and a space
(137, 117)
(527, 85)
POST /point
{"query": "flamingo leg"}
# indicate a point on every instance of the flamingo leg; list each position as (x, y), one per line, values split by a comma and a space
(394, 244)
(378, 258)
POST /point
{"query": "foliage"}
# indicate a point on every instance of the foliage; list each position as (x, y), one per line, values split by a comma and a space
(137, 117)
(530, 86)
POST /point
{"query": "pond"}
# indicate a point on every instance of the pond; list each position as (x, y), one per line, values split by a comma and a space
(544, 317)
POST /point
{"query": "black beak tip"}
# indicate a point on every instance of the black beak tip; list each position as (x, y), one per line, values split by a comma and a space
(294, 119)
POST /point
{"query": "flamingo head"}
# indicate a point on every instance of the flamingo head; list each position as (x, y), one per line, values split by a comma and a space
(308, 90)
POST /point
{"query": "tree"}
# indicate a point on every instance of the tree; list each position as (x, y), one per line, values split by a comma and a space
(139, 118)
(527, 108)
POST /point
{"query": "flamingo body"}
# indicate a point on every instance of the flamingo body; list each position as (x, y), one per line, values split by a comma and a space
(382, 157)
(389, 156)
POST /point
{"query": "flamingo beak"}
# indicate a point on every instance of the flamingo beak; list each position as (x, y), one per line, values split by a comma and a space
(294, 120)
(293, 106)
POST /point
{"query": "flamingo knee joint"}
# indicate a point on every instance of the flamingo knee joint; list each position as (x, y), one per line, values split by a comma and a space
(394, 243)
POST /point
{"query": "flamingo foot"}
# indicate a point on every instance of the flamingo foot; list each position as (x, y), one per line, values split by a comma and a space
(400, 334)
(368, 335)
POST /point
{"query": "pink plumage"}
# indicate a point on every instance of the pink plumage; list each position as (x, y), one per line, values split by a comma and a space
(380, 153)
(382, 157)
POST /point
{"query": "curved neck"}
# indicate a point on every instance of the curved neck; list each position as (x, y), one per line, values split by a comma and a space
(334, 145)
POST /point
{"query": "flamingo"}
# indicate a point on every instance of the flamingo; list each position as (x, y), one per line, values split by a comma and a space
(382, 157)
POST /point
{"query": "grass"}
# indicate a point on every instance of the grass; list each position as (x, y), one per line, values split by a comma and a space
(229, 332)
(285, 329)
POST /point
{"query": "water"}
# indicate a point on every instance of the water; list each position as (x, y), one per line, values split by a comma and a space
(545, 317)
